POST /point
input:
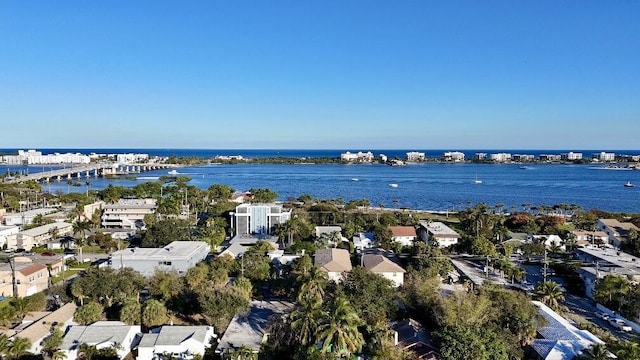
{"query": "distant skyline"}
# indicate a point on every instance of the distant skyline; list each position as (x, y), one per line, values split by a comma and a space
(324, 75)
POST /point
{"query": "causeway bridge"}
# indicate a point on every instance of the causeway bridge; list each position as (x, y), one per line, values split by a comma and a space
(88, 171)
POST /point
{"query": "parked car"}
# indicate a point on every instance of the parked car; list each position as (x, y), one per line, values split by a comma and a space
(48, 253)
(602, 315)
(620, 325)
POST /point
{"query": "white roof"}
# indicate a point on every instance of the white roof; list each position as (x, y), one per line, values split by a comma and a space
(175, 250)
(45, 228)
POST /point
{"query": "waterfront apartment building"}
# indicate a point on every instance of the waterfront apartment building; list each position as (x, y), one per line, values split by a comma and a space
(455, 156)
(523, 158)
(500, 157)
(132, 158)
(603, 156)
(179, 256)
(414, 156)
(571, 156)
(33, 157)
(25, 217)
(550, 157)
(480, 156)
(617, 231)
(437, 233)
(127, 213)
(357, 157)
(258, 219)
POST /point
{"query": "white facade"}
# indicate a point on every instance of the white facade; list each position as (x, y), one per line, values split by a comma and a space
(437, 232)
(181, 342)
(571, 156)
(455, 156)
(132, 158)
(38, 236)
(616, 231)
(101, 334)
(383, 266)
(415, 156)
(357, 157)
(179, 256)
(251, 219)
(26, 217)
(127, 213)
(8, 232)
(603, 156)
(500, 157)
(33, 157)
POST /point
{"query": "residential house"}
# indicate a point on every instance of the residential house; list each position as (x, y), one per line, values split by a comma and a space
(40, 235)
(559, 339)
(239, 244)
(549, 241)
(362, 241)
(180, 342)
(30, 277)
(250, 330)
(36, 327)
(101, 334)
(258, 219)
(583, 237)
(331, 234)
(411, 335)
(405, 235)
(178, 256)
(127, 213)
(382, 265)
(617, 231)
(335, 262)
(437, 233)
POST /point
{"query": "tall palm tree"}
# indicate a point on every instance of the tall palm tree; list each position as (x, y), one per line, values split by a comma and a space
(81, 227)
(4, 344)
(304, 323)
(59, 355)
(18, 347)
(339, 334)
(312, 290)
(549, 293)
(595, 352)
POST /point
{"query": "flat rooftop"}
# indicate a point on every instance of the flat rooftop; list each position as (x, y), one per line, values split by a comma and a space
(174, 250)
(439, 229)
(613, 257)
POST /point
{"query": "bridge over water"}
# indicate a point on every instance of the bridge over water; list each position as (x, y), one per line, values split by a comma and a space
(89, 170)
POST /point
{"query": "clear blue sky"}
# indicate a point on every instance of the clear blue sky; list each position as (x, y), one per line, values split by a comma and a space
(324, 74)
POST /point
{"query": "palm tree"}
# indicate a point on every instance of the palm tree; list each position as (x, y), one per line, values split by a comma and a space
(339, 334)
(549, 293)
(18, 347)
(4, 344)
(627, 350)
(312, 290)
(81, 227)
(59, 355)
(304, 323)
(595, 352)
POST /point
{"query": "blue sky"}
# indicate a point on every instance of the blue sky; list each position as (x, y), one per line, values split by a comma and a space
(324, 75)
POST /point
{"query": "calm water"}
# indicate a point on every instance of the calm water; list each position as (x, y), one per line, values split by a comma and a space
(424, 186)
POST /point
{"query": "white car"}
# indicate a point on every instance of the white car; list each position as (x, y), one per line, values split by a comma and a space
(601, 315)
(620, 325)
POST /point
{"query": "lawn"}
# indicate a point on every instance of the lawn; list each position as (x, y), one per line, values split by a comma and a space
(72, 271)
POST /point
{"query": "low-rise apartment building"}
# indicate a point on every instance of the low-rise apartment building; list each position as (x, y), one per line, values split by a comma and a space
(603, 262)
(39, 236)
(8, 232)
(455, 156)
(127, 213)
(360, 156)
(30, 277)
(571, 156)
(437, 233)
(414, 156)
(617, 231)
(258, 219)
(179, 256)
(25, 217)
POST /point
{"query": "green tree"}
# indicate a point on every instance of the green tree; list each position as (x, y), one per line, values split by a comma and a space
(464, 342)
(88, 313)
(304, 323)
(611, 291)
(130, 313)
(338, 334)
(313, 285)
(549, 293)
(255, 264)
(52, 343)
(627, 350)
(218, 192)
(374, 294)
(18, 347)
(263, 195)
(595, 352)
(165, 285)
(154, 313)
(165, 231)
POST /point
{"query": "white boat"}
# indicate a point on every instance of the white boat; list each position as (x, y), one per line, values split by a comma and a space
(393, 185)
(173, 172)
(628, 184)
(476, 180)
(355, 179)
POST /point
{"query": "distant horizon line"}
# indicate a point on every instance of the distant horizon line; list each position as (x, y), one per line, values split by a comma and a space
(312, 149)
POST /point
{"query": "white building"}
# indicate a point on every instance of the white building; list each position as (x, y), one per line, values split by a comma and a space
(33, 157)
(179, 256)
(455, 156)
(39, 236)
(414, 156)
(250, 219)
(549, 241)
(605, 262)
(383, 266)
(558, 339)
(357, 157)
(405, 235)
(127, 213)
(26, 217)
(7, 232)
(616, 231)
(180, 342)
(438, 233)
(102, 335)
(571, 156)
(603, 156)
(363, 241)
(500, 157)
(132, 158)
